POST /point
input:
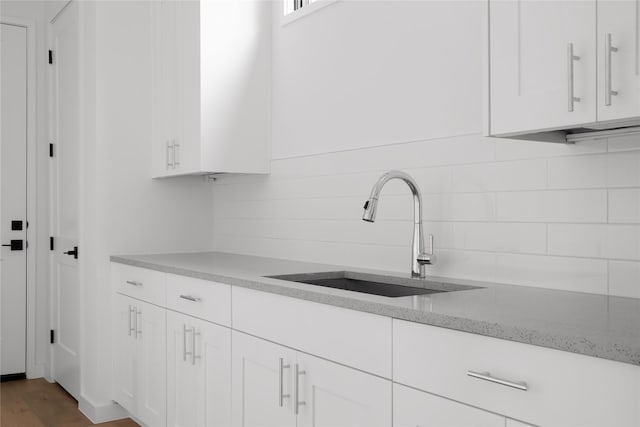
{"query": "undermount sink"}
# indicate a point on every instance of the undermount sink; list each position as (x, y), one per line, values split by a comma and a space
(388, 286)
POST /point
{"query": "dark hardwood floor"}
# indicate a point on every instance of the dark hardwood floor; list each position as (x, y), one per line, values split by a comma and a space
(38, 403)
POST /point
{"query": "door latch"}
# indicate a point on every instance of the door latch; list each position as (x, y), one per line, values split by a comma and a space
(15, 245)
(74, 252)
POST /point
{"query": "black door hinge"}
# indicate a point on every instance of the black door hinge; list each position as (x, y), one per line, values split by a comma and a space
(51, 247)
(50, 149)
(52, 336)
(50, 56)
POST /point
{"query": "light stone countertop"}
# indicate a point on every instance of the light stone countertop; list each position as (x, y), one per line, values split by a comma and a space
(595, 325)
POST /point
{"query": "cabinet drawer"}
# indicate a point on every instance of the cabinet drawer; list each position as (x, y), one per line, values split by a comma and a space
(199, 298)
(562, 388)
(140, 283)
(356, 339)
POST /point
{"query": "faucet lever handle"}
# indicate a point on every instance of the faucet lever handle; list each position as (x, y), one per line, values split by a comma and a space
(428, 258)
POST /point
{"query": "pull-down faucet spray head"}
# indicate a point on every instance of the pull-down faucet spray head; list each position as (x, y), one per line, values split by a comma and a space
(370, 210)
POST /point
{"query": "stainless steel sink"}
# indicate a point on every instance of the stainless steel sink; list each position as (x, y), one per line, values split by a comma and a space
(388, 286)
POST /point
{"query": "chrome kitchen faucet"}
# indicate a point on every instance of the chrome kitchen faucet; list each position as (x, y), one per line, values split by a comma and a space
(419, 258)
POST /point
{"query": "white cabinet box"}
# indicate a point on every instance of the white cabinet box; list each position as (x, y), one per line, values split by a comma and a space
(277, 386)
(139, 359)
(562, 65)
(211, 76)
(198, 372)
(548, 387)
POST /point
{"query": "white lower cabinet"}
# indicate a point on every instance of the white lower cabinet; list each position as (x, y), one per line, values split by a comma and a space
(276, 386)
(334, 395)
(413, 408)
(198, 372)
(140, 360)
(262, 383)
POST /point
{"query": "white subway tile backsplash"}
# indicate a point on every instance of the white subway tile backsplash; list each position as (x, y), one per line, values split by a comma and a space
(527, 213)
(553, 206)
(513, 149)
(624, 143)
(501, 176)
(571, 274)
(500, 237)
(595, 241)
(624, 206)
(624, 279)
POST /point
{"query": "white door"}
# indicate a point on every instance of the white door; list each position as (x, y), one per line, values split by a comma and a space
(198, 372)
(124, 354)
(532, 74)
(334, 395)
(413, 408)
(13, 192)
(66, 307)
(150, 324)
(262, 388)
(618, 61)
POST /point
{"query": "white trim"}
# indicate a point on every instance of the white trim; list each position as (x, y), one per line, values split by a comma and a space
(33, 368)
(101, 413)
(304, 11)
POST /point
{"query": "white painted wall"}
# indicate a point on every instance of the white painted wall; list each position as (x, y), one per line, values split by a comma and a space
(363, 87)
(124, 211)
(38, 361)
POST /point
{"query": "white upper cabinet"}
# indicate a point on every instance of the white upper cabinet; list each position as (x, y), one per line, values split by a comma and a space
(542, 65)
(618, 65)
(211, 63)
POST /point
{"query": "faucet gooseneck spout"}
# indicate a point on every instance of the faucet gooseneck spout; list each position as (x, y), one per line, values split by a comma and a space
(419, 258)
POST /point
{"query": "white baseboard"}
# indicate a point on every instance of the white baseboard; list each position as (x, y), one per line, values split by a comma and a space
(101, 413)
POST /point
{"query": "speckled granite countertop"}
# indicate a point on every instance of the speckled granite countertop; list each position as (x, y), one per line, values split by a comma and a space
(594, 325)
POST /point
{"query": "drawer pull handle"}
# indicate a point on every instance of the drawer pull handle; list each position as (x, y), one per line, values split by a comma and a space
(486, 376)
(134, 283)
(190, 298)
(281, 383)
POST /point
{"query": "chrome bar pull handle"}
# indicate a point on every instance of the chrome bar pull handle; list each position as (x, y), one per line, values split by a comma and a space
(298, 402)
(193, 346)
(184, 342)
(281, 394)
(169, 148)
(609, 49)
(486, 376)
(138, 330)
(131, 329)
(134, 283)
(571, 98)
(176, 154)
(191, 298)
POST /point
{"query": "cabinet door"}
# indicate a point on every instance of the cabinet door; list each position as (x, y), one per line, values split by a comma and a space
(150, 324)
(334, 395)
(413, 408)
(532, 74)
(124, 355)
(165, 107)
(262, 390)
(618, 63)
(198, 372)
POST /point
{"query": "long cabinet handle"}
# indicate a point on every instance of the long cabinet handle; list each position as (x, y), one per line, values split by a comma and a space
(191, 298)
(134, 283)
(298, 403)
(193, 346)
(281, 394)
(609, 49)
(169, 159)
(131, 310)
(571, 98)
(176, 154)
(138, 330)
(486, 376)
(185, 353)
